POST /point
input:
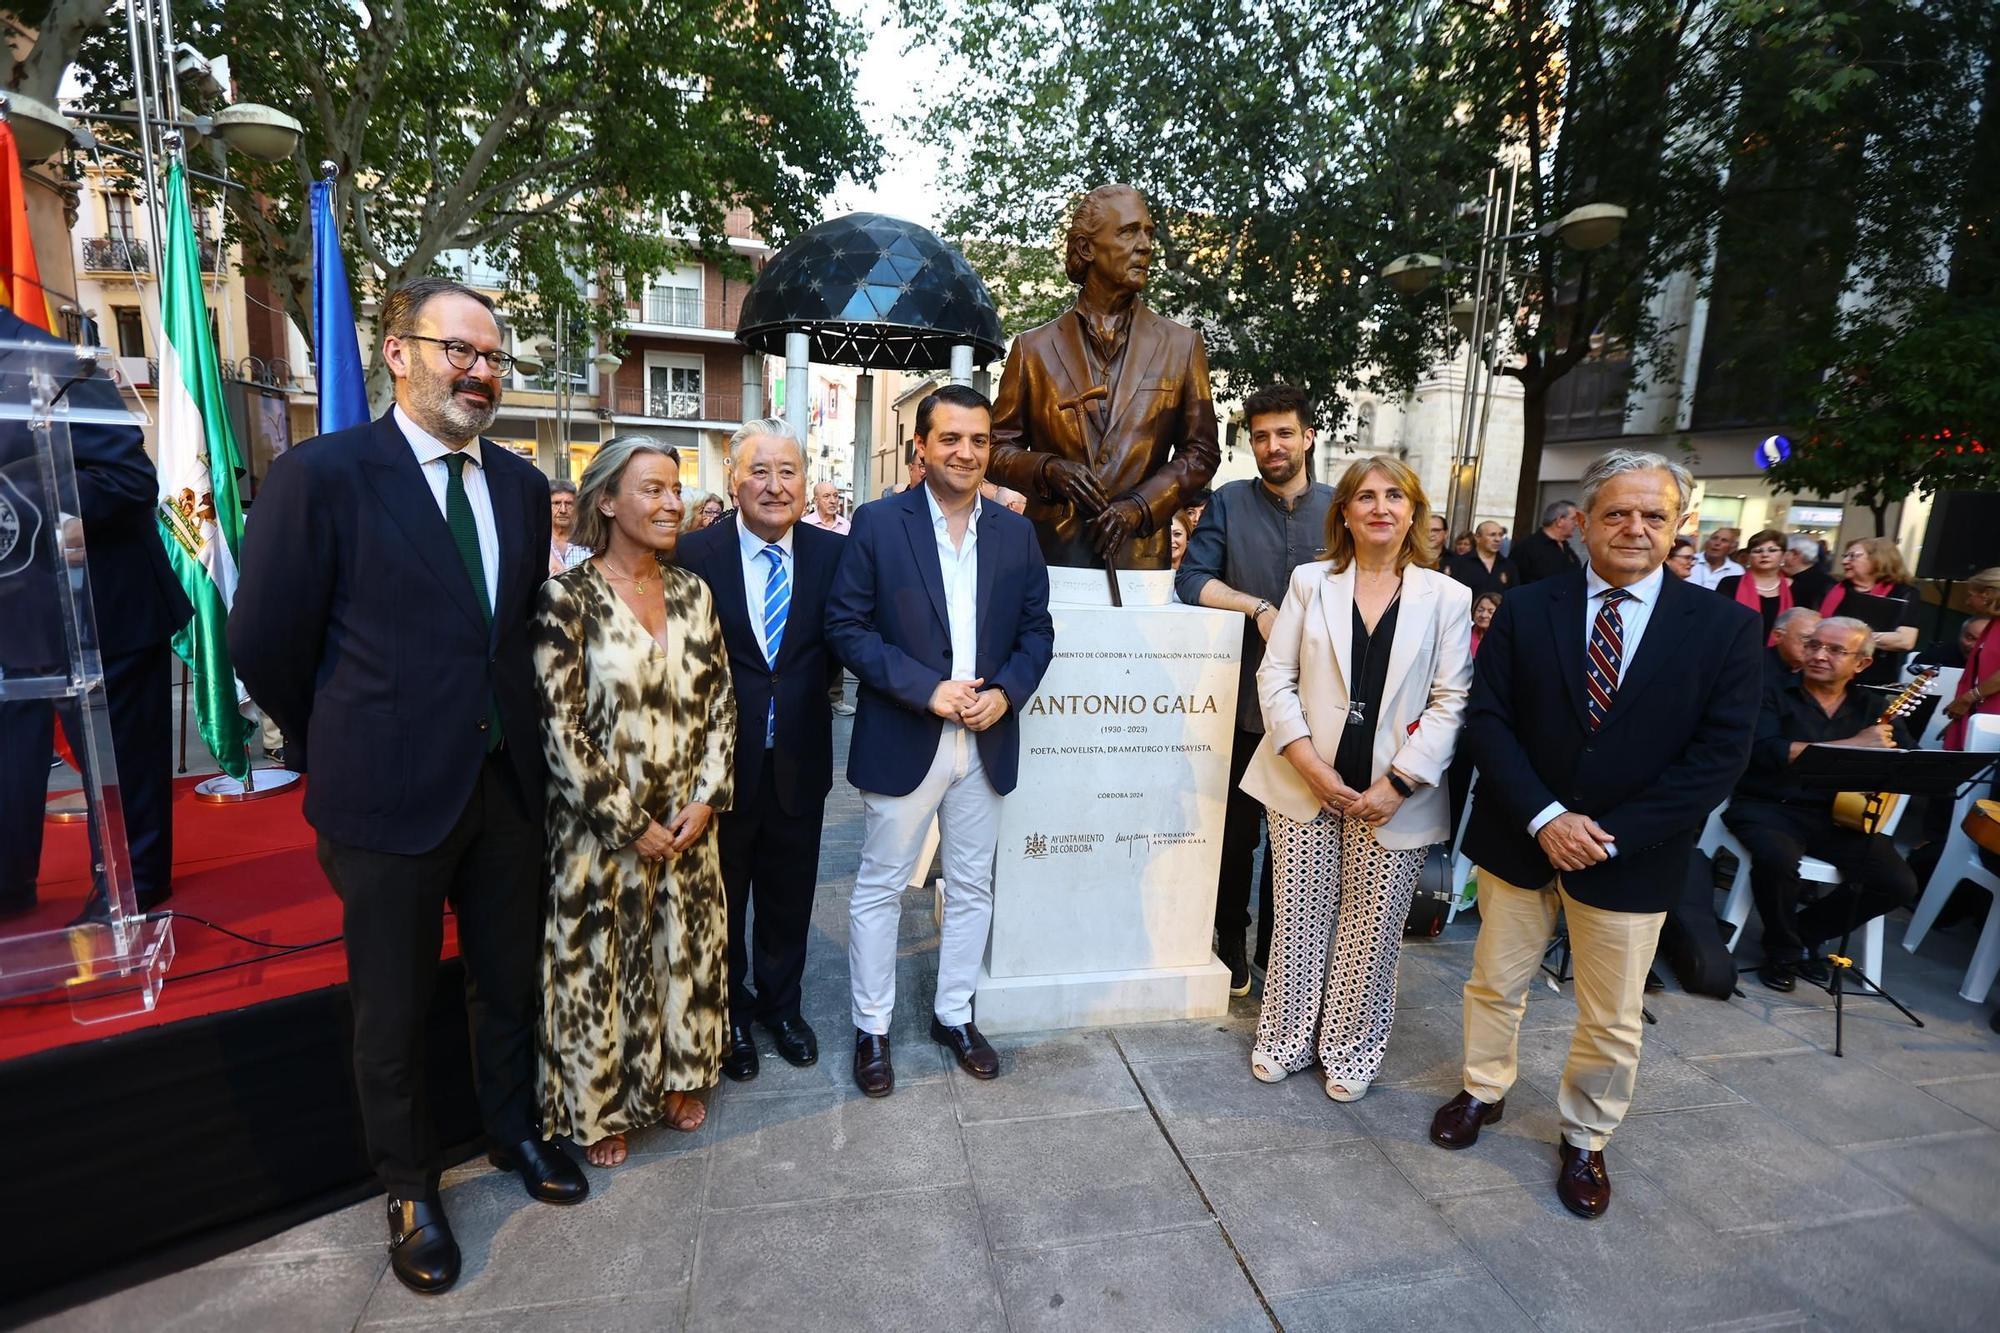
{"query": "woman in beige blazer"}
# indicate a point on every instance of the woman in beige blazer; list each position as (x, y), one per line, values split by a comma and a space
(1363, 688)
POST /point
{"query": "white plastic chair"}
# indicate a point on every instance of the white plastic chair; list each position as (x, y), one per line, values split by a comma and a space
(1960, 861)
(1457, 864)
(1736, 908)
(1945, 687)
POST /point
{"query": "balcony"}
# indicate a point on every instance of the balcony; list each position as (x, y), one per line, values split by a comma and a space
(1589, 402)
(686, 308)
(637, 402)
(129, 254)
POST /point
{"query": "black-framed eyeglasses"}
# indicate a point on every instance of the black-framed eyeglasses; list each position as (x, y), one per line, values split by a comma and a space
(464, 356)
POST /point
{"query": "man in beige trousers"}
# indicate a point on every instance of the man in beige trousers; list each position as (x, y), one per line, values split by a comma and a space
(1612, 708)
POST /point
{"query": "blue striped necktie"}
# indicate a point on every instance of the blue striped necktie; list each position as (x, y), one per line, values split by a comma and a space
(1607, 649)
(777, 603)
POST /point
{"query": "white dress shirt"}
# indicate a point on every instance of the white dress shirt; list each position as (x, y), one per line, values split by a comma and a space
(757, 574)
(1707, 577)
(431, 453)
(1634, 614)
(960, 566)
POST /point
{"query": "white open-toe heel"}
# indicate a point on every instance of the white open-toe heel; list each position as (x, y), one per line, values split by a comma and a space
(1266, 1069)
(1343, 1092)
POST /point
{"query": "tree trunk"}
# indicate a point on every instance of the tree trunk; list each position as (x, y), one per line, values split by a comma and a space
(1881, 512)
(1534, 430)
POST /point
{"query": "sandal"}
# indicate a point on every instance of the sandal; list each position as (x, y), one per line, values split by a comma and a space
(1265, 1068)
(607, 1152)
(685, 1112)
(1343, 1092)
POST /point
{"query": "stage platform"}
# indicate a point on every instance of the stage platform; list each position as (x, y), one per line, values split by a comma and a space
(227, 1112)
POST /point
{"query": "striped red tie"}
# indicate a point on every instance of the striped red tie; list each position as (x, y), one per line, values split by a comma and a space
(1607, 648)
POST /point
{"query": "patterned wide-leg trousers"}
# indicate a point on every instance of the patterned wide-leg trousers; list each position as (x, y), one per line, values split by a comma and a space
(1342, 899)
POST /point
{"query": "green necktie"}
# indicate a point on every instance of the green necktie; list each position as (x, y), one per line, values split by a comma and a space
(465, 536)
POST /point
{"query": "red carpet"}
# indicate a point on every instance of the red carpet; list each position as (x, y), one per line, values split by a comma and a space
(249, 867)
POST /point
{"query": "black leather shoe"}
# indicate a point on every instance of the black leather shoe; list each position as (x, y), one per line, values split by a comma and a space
(1583, 1184)
(794, 1039)
(739, 1061)
(545, 1169)
(1811, 968)
(1231, 954)
(873, 1073)
(1777, 974)
(422, 1251)
(1458, 1121)
(976, 1055)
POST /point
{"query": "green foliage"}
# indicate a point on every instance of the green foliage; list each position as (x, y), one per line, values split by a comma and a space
(1913, 406)
(555, 141)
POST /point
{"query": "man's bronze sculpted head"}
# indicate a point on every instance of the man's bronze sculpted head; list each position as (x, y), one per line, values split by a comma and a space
(1110, 235)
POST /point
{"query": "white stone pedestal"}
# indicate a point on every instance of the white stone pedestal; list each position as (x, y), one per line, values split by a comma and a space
(1104, 895)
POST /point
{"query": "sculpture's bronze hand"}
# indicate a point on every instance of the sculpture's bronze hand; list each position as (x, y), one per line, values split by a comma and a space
(1076, 483)
(1114, 526)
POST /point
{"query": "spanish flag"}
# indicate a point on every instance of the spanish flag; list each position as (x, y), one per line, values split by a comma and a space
(21, 283)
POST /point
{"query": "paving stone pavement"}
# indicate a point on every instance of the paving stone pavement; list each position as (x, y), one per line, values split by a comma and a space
(1139, 1178)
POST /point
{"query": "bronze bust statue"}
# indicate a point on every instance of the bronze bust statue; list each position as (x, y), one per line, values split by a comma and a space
(1104, 418)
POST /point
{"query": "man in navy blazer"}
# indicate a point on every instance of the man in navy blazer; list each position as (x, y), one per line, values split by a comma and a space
(770, 575)
(1612, 709)
(139, 608)
(940, 609)
(389, 575)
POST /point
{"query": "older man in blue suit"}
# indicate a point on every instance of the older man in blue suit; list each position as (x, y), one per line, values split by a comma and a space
(940, 609)
(389, 575)
(1612, 708)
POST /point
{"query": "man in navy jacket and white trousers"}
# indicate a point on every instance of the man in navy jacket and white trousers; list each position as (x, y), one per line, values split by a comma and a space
(1612, 708)
(940, 608)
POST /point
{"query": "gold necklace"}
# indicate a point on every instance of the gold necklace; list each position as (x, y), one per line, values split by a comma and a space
(638, 584)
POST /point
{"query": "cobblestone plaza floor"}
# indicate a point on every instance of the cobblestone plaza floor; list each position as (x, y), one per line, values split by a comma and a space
(1140, 1178)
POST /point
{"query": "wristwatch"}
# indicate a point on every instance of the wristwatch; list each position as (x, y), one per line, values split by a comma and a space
(1262, 607)
(1403, 789)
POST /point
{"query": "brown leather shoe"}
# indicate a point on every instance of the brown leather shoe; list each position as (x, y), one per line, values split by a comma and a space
(1583, 1184)
(873, 1073)
(1456, 1124)
(976, 1055)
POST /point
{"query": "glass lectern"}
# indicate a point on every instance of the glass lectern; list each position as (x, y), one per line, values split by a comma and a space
(98, 951)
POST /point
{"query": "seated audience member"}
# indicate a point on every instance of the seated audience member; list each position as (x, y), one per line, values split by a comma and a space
(639, 729)
(1680, 559)
(1952, 651)
(1979, 686)
(1787, 652)
(1715, 564)
(1483, 607)
(1485, 569)
(1762, 586)
(1779, 821)
(1874, 565)
(1810, 582)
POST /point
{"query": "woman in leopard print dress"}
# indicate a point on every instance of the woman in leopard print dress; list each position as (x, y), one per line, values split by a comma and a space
(640, 728)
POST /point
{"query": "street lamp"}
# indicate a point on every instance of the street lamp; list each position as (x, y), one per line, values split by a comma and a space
(1477, 317)
(40, 131)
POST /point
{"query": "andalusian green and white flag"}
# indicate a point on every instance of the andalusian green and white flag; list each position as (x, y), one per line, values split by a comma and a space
(200, 514)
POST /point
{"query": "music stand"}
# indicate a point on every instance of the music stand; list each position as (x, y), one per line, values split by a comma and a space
(1901, 772)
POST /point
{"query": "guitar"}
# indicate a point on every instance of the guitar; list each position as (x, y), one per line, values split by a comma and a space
(1867, 811)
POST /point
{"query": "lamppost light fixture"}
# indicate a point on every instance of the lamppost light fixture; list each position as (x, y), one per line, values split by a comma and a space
(546, 348)
(1412, 273)
(262, 132)
(40, 130)
(607, 362)
(1591, 227)
(1462, 315)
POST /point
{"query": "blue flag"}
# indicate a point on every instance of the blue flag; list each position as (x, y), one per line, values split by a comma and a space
(343, 401)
